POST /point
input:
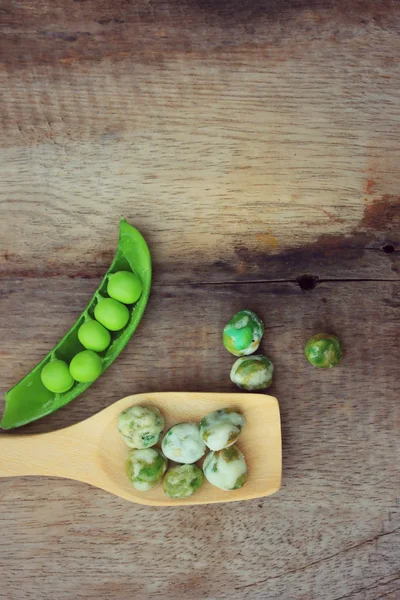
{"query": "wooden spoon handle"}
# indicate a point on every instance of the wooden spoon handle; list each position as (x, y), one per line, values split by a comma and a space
(60, 454)
(26, 455)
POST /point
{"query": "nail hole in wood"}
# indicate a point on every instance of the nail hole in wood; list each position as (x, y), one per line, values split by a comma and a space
(307, 282)
(388, 248)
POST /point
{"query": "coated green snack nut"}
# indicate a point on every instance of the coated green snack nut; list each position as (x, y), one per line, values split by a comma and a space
(252, 373)
(141, 426)
(243, 333)
(323, 350)
(221, 428)
(93, 336)
(183, 443)
(111, 313)
(183, 481)
(56, 377)
(226, 469)
(85, 366)
(125, 287)
(146, 468)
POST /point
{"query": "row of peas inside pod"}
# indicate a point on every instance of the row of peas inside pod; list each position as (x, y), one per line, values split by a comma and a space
(241, 337)
(110, 314)
(185, 443)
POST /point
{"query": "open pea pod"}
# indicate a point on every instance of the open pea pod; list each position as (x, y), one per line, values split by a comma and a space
(29, 399)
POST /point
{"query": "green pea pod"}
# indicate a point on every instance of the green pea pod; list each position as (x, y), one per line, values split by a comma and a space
(29, 399)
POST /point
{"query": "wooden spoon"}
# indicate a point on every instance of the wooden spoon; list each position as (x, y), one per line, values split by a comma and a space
(93, 451)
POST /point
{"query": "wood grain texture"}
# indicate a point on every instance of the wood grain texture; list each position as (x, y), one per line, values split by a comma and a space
(331, 532)
(227, 132)
(252, 142)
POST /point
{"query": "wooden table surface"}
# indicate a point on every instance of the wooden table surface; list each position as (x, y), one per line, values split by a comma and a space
(252, 142)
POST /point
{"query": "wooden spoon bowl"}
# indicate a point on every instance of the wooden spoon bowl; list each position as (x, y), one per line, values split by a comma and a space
(94, 452)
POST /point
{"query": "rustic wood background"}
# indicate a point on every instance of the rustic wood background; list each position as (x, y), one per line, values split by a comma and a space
(253, 142)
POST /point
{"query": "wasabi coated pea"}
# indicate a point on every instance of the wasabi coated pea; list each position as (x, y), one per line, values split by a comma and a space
(111, 313)
(183, 481)
(252, 373)
(56, 377)
(226, 469)
(183, 443)
(141, 426)
(93, 336)
(323, 350)
(221, 428)
(243, 333)
(86, 366)
(146, 468)
(125, 287)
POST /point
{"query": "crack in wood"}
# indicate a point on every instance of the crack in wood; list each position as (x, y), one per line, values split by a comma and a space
(372, 587)
(316, 562)
(273, 281)
(389, 594)
(220, 283)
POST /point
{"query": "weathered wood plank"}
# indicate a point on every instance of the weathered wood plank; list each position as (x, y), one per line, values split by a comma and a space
(333, 529)
(226, 131)
(72, 542)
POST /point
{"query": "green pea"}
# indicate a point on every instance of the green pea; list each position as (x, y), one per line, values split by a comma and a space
(125, 287)
(56, 377)
(85, 366)
(146, 466)
(252, 373)
(226, 469)
(111, 313)
(141, 426)
(243, 333)
(183, 481)
(221, 428)
(323, 350)
(183, 443)
(94, 336)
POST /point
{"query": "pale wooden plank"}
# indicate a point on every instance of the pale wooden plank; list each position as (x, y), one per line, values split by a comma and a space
(73, 542)
(225, 133)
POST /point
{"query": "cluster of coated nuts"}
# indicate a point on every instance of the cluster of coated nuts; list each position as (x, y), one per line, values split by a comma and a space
(185, 443)
(111, 314)
(241, 337)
